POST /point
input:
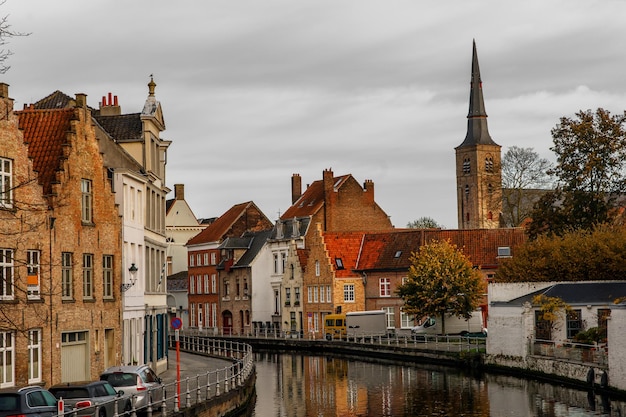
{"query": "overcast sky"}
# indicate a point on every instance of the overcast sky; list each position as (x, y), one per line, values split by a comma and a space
(256, 90)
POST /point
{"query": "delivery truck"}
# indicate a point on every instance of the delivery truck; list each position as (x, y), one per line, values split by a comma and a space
(355, 324)
(453, 325)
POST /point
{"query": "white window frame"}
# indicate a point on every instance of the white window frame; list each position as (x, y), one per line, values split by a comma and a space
(7, 274)
(192, 284)
(348, 293)
(406, 320)
(86, 188)
(328, 294)
(34, 356)
(7, 359)
(275, 263)
(33, 278)
(205, 255)
(67, 284)
(309, 294)
(389, 315)
(192, 260)
(213, 283)
(87, 275)
(322, 294)
(6, 183)
(317, 268)
(192, 314)
(315, 294)
(206, 284)
(213, 258)
(384, 287)
(107, 276)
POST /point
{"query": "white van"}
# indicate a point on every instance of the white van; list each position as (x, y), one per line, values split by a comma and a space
(454, 325)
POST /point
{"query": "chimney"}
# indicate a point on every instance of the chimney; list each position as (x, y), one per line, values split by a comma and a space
(179, 191)
(4, 90)
(328, 183)
(296, 188)
(109, 106)
(368, 191)
(81, 100)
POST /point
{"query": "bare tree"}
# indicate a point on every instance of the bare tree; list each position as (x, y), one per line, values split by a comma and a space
(6, 33)
(525, 177)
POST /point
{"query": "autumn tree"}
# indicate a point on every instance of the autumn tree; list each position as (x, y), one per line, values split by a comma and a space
(441, 281)
(579, 255)
(590, 172)
(524, 179)
(551, 312)
(424, 223)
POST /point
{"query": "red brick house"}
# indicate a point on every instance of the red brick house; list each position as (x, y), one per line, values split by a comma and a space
(206, 288)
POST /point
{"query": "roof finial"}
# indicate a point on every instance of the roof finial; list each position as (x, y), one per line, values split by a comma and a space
(151, 86)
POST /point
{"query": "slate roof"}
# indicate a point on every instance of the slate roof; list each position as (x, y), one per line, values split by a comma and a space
(257, 240)
(312, 200)
(46, 131)
(576, 293)
(123, 127)
(287, 225)
(177, 281)
(391, 251)
(56, 100)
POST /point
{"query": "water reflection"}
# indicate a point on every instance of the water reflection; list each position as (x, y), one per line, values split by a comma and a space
(315, 386)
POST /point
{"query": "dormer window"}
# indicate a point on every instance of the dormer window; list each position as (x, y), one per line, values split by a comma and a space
(295, 232)
(397, 254)
(339, 263)
(504, 252)
(279, 229)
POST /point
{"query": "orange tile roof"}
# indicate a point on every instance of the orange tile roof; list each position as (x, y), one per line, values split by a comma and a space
(45, 132)
(346, 246)
(312, 200)
(392, 250)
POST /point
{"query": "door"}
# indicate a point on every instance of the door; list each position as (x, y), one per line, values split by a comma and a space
(227, 320)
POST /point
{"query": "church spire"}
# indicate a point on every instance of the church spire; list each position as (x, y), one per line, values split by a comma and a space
(477, 130)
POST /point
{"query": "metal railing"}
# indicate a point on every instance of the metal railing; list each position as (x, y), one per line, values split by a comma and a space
(193, 390)
(569, 351)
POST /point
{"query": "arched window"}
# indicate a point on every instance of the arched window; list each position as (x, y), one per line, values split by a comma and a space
(490, 190)
(466, 166)
(489, 164)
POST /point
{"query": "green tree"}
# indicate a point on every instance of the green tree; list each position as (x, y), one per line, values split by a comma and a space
(591, 174)
(441, 281)
(424, 223)
(524, 176)
(579, 255)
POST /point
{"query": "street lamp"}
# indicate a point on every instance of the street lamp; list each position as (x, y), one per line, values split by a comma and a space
(133, 278)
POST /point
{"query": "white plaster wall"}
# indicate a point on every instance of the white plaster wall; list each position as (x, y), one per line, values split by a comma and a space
(262, 292)
(616, 335)
(504, 291)
(506, 332)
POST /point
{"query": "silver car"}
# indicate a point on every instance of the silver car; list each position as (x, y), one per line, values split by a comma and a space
(138, 381)
(92, 398)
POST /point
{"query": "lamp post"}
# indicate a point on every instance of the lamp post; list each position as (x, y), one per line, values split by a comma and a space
(133, 278)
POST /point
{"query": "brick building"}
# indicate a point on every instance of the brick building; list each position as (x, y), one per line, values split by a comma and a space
(81, 335)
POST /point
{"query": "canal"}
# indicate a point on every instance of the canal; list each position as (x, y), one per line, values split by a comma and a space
(300, 385)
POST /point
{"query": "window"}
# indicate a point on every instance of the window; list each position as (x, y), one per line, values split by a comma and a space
(296, 294)
(192, 284)
(317, 268)
(316, 322)
(466, 166)
(287, 296)
(504, 251)
(391, 323)
(406, 320)
(574, 323)
(87, 275)
(543, 330)
(206, 258)
(206, 284)
(348, 293)
(32, 274)
(6, 183)
(603, 317)
(283, 260)
(245, 287)
(338, 263)
(67, 290)
(199, 259)
(322, 294)
(34, 356)
(397, 254)
(276, 263)
(192, 260)
(6, 274)
(213, 258)
(315, 297)
(466, 191)
(86, 201)
(199, 284)
(328, 299)
(213, 284)
(385, 287)
(309, 294)
(226, 289)
(107, 276)
(489, 164)
(7, 359)
(237, 288)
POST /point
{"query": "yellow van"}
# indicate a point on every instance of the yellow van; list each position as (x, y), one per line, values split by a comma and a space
(335, 326)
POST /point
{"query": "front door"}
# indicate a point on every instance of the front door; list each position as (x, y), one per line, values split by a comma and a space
(227, 319)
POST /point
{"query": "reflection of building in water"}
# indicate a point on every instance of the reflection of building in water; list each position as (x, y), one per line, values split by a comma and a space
(291, 383)
(321, 377)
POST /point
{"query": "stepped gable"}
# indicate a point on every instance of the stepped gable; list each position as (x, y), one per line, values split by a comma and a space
(312, 200)
(345, 246)
(45, 132)
(303, 257)
(247, 214)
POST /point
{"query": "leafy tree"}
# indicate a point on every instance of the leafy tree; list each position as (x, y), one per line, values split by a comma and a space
(441, 281)
(591, 162)
(579, 255)
(524, 174)
(550, 309)
(424, 223)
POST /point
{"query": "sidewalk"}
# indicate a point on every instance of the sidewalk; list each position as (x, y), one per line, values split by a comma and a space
(191, 365)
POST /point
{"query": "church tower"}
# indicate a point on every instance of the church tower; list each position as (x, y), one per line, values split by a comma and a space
(478, 169)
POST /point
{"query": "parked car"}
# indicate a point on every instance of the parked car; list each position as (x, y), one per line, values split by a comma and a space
(138, 381)
(27, 401)
(95, 398)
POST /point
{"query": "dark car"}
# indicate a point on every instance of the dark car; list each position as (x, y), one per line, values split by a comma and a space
(96, 398)
(27, 401)
(137, 381)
